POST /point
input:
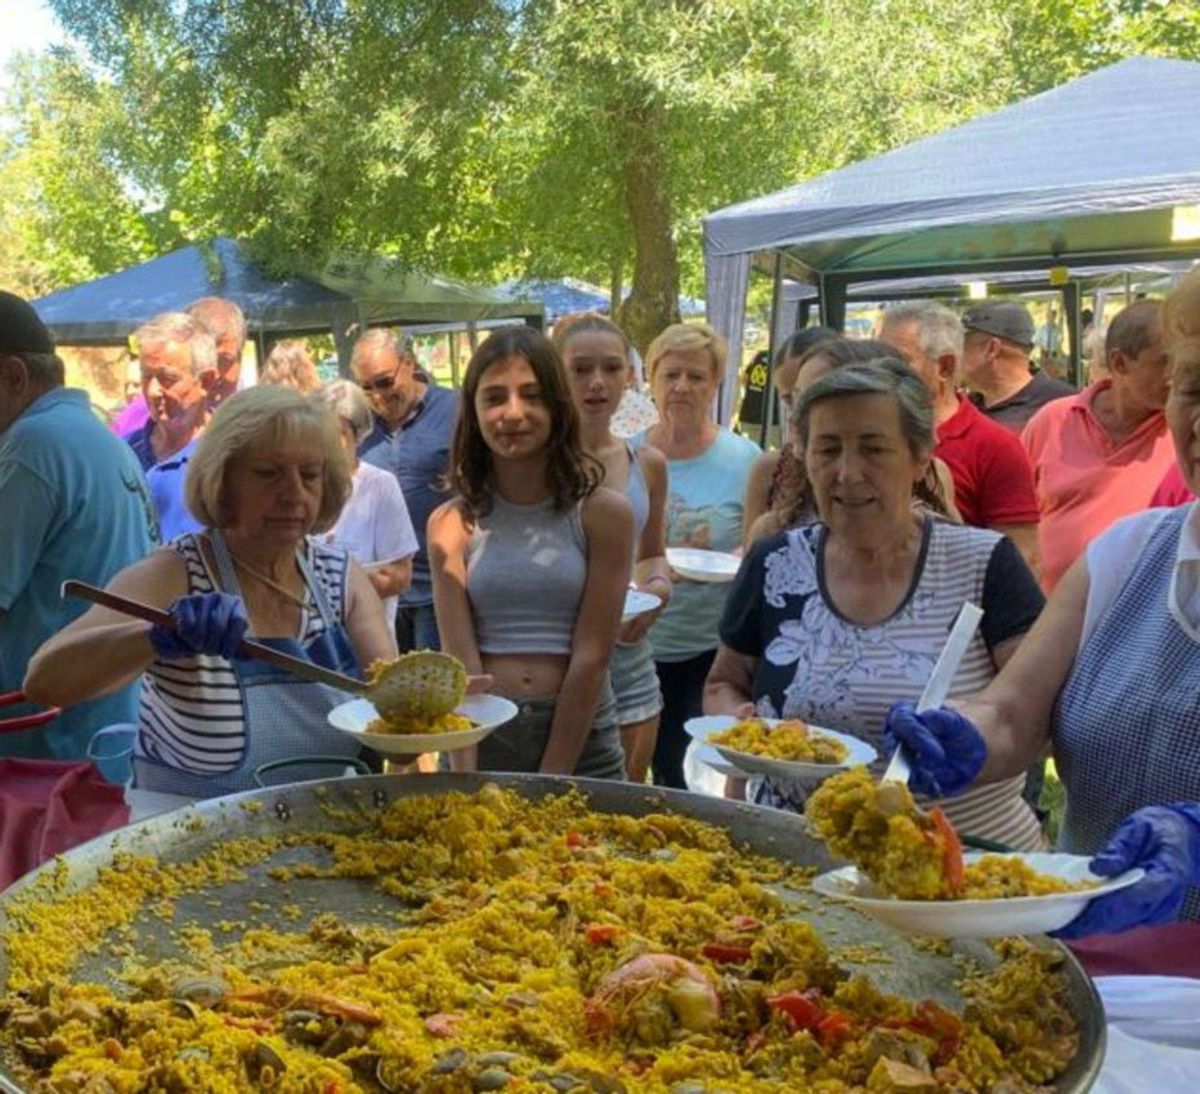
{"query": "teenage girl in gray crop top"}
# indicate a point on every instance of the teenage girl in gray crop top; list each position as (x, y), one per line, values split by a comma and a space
(530, 562)
(595, 354)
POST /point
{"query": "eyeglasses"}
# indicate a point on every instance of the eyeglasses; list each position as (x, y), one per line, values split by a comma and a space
(384, 383)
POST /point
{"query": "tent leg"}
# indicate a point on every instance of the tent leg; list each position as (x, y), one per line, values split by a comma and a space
(453, 337)
(832, 297)
(1071, 296)
(768, 403)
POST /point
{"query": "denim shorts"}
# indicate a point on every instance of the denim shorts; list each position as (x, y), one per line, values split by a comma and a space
(635, 683)
(519, 745)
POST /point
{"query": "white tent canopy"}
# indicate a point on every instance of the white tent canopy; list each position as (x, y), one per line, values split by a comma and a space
(1104, 170)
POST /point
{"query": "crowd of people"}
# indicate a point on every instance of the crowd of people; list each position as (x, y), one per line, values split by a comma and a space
(506, 522)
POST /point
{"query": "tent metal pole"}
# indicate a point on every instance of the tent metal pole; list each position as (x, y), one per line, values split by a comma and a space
(768, 399)
(452, 338)
(833, 300)
(1071, 295)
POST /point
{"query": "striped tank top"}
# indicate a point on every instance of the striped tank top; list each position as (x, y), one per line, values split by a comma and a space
(190, 710)
(833, 673)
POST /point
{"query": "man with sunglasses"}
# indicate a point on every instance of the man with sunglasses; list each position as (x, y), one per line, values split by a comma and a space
(414, 427)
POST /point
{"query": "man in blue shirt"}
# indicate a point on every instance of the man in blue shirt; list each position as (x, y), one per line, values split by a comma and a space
(73, 504)
(178, 359)
(414, 427)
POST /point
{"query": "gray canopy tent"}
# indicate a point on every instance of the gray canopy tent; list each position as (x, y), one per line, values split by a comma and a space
(1102, 171)
(346, 297)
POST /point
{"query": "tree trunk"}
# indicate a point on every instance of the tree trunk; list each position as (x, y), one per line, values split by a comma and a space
(654, 301)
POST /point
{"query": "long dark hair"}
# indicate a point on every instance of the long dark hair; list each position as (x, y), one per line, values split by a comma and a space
(572, 473)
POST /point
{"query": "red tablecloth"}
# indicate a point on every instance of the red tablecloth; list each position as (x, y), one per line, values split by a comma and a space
(49, 806)
(1172, 950)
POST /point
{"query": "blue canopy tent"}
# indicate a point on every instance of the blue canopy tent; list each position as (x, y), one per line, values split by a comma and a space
(1102, 171)
(558, 298)
(349, 295)
(568, 296)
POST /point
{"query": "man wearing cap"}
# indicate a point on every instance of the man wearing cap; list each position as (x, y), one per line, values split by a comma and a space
(996, 348)
(74, 505)
(993, 483)
(1100, 455)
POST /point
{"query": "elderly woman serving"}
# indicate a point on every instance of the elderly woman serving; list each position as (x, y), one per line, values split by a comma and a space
(833, 620)
(268, 471)
(1108, 676)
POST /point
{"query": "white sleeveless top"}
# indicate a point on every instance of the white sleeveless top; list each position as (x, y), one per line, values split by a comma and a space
(190, 710)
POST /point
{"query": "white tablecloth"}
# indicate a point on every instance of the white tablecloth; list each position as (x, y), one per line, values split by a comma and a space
(1153, 1035)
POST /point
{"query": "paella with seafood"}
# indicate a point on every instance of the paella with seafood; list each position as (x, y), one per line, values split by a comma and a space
(529, 946)
(913, 854)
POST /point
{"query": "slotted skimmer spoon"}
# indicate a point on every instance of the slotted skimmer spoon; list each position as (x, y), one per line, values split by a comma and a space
(425, 684)
(940, 679)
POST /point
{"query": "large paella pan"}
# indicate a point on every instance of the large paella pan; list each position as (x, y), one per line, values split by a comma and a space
(466, 933)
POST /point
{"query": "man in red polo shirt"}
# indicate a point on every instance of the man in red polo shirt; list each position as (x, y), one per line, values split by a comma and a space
(1099, 455)
(993, 485)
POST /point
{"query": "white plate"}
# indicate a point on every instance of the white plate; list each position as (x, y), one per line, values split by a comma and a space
(710, 757)
(488, 712)
(979, 918)
(698, 565)
(638, 602)
(858, 752)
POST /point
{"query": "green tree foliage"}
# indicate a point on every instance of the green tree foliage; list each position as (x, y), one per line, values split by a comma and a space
(67, 211)
(491, 138)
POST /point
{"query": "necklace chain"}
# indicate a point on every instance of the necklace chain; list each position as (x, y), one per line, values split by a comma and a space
(269, 582)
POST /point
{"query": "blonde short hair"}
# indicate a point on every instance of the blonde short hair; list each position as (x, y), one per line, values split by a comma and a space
(689, 338)
(290, 365)
(1181, 320)
(258, 418)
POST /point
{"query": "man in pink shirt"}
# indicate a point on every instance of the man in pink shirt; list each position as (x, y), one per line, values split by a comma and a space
(993, 484)
(1099, 455)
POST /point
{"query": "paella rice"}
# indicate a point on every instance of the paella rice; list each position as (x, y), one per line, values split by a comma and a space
(790, 740)
(912, 854)
(528, 946)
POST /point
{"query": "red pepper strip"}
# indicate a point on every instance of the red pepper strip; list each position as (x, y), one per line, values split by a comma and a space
(952, 851)
(947, 1047)
(802, 1010)
(745, 923)
(937, 1020)
(834, 1028)
(725, 953)
(332, 1086)
(575, 840)
(600, 934)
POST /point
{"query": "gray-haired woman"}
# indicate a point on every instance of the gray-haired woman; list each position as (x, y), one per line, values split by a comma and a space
(835, 620)
(374, 526)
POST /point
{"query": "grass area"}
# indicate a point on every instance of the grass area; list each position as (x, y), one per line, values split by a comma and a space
(1054, 800)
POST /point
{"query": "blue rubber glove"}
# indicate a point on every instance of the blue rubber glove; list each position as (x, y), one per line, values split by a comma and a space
(943, 748)
(211, 623)
(1164, 840)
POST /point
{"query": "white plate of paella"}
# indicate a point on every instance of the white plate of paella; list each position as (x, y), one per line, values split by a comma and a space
(993, 917)
(473, 719)
(747, 743)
